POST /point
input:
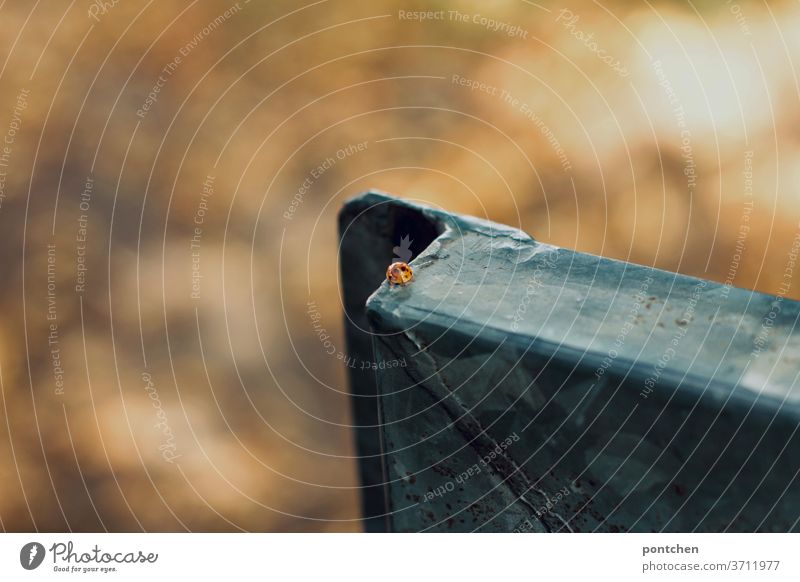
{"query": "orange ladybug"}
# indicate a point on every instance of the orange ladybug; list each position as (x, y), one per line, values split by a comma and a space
(399, 273)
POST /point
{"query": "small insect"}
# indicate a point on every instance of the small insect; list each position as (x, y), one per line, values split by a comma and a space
(399, 273)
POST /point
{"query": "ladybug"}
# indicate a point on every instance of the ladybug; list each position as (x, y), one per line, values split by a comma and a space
(399, 273)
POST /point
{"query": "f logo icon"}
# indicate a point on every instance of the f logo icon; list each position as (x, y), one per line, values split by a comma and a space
(31, 555)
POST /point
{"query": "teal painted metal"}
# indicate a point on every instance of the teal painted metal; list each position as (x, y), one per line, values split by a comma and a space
(549, 390)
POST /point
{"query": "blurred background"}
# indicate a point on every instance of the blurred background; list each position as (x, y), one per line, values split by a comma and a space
(170, 175)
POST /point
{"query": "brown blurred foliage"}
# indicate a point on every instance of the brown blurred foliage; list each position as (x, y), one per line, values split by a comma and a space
(256, 408)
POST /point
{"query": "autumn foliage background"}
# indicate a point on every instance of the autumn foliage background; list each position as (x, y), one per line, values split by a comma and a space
(256, 408)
